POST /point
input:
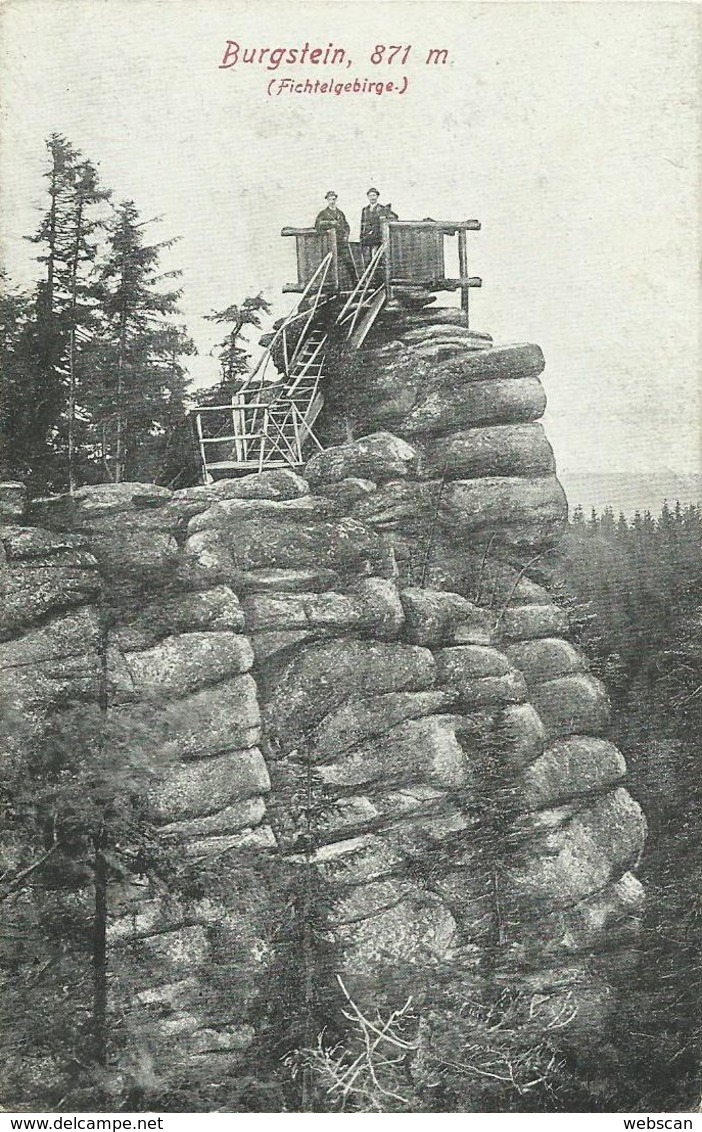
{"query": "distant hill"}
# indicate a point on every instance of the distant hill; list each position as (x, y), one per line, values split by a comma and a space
(629, 492)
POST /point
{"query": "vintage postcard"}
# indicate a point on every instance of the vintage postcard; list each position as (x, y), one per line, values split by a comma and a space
(351, 623)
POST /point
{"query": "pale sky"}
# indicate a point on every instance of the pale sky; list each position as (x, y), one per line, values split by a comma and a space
(572, 131)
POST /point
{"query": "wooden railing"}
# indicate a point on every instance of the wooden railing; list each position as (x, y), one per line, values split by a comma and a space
(413, 257)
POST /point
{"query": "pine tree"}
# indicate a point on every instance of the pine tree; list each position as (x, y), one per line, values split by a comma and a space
(233, 356)
(66, 297)
(25, 415)
(138, 391)
(80, 291)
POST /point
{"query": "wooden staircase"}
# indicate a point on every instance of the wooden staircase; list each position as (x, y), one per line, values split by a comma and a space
(270, 420)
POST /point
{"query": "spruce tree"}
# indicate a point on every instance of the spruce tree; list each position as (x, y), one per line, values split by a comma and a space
(65, 304)
(139, 381)
(233, 356)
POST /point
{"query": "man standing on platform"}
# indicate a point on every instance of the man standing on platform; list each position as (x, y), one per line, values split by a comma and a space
(332, 218)
(371, 232)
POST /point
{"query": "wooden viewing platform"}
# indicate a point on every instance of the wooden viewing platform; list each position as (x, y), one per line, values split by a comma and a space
(414, 256)
(269, 422)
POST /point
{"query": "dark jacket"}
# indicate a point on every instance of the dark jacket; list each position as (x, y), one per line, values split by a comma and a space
(333, 218)
(371, 234)
(371, 228)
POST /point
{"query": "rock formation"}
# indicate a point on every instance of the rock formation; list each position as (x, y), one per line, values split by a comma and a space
(368, 637)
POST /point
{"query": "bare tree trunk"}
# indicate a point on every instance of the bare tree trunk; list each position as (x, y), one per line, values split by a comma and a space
(100, 949)
(71, 408)
(72, 351)
(307, 942)
(100, 878)
(119, 443)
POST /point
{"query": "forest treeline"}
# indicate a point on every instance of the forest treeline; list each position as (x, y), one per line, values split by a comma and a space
(634, 590)
(94, 356)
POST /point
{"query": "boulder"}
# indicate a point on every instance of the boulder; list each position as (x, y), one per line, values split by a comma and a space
(174, 952)
(474, 570)
(606, 922)
(344, 544)
(528, 622)
(361, 719)
(441, 409)
(581, 857)
(271, 611)
(357, 860)
(369, 899)
(187, 662)
(500, 450)
(432, 617)
(46, 547)
(596, 922)
(221, 718)
(545, 659)
(446, 346)
(229, 513)
(419, 930)
(34, 689)
(94, 501)
(258, 840)
(348, 816)
(429, 331)
(572, 704)
(524, 734)
(465, 663)
(419, 836)
(209, 788)
(206, 561)
(273, 483)
(427, 750)
(401, 503)
(32, 593)
(378, 457)
(500, 363)
(447, 316)
(284, 581)
(147, 917)
(268, 644)
(142, 555)
(471, 505)
(415, 800)
(469, 894)
(138, 520)
(346, 492)
(74, 634)
(325, 674)
(215, 610)
(569, 767)
(382, 612)
(119, 684)
(492, 691)
(373, 605)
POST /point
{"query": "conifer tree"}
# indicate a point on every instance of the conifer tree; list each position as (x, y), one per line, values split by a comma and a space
(233, 356)
(66, 297)
(139, 384)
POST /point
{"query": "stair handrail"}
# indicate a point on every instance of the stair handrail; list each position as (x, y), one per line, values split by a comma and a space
(295, 314)
(360, 290)
(290, 389)
(326, 264)
(361, 308)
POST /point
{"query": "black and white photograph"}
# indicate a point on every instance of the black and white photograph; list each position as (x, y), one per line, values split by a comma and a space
(350, 561)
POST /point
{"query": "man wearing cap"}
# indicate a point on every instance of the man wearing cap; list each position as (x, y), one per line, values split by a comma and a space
(332, 217)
